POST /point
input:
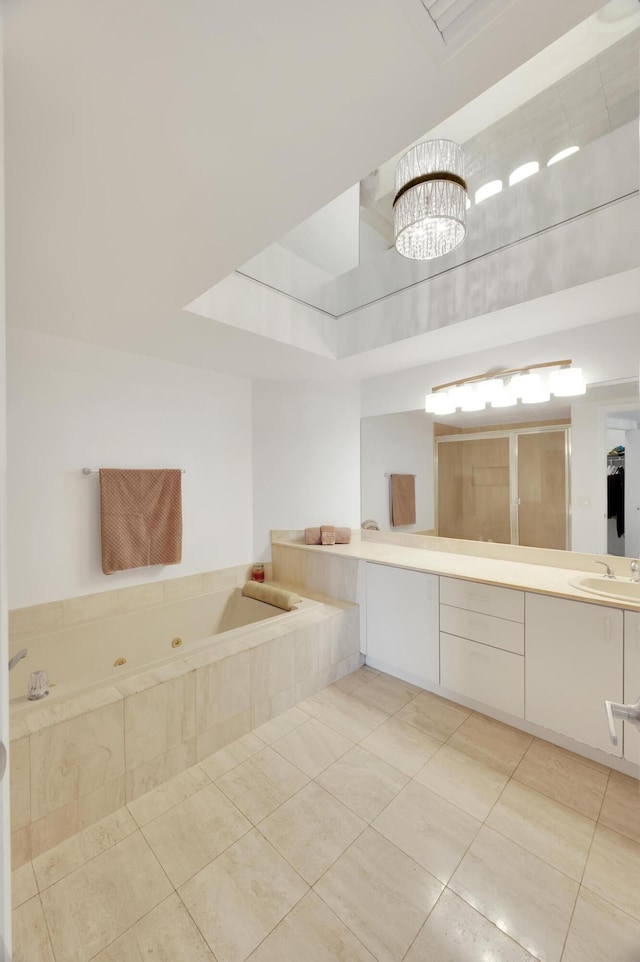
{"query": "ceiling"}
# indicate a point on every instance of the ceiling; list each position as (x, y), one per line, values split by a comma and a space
(152, 147)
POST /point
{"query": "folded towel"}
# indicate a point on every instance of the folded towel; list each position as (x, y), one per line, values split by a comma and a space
(328, 529)
(343, 535)
(141, 518)
(403, 499)
(312, 536)
(271, 595)
(328, 537)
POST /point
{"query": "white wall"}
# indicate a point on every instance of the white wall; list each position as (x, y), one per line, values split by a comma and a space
(398, 444)
(330, 237)
(306, 456)
(72, 405)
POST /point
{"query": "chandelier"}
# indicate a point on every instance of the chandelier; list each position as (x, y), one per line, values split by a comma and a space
(430, 201)
(506, 388)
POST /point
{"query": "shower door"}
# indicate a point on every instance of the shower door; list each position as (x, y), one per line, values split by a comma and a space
(541, 498)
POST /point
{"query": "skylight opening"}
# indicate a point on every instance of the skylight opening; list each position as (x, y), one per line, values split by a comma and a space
(562, 154)
(524, 171)
(488, 190)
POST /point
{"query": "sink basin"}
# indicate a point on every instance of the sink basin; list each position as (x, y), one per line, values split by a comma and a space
(614, 588)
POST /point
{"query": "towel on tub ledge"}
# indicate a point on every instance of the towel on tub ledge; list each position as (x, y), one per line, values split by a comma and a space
(140, 518)
(270, 595)
(314, 535)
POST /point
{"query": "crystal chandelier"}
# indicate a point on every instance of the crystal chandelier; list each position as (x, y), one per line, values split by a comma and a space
(430, 200)
(529, 385)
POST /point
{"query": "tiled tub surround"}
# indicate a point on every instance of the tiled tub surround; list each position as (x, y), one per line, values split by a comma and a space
(75, 758)
(373, 822)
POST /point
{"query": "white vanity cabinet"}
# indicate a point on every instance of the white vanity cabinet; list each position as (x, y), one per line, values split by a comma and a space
(482, 643)
(402, 622)
(574, 657)
(631, 743)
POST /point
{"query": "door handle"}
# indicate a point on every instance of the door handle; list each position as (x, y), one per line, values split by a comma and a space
(630, 713)
(3, 760)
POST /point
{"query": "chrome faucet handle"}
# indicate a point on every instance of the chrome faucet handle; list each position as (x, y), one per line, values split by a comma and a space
(18, 657)
(635, 571)
(38, 686)
(608, 573)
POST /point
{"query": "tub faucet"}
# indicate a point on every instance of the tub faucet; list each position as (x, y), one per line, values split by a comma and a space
(635, 571)
(608, 573)
(18, 657)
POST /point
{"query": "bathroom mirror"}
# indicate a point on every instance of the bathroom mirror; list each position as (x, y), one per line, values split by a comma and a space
(546, 475)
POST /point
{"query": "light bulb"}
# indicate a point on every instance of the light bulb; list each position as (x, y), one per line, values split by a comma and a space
(444, 404)
(472, 401)
(506, 398)
(491, 388)
(567, 382)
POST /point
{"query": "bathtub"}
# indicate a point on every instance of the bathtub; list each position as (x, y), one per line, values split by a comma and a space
(80, 657)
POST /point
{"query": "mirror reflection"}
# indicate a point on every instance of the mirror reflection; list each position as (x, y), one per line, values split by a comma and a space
(563, 474)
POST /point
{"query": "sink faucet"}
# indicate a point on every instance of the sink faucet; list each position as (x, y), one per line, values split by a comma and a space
(18, 657)
(609, 573)
(635, 571)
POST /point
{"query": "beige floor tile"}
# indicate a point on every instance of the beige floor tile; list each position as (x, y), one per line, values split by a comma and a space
(454, 932)
(402, 745)
(279, 726)
(192, 834)
(23, 885)
(325, 698)
(159, 800)
(599, 931)
(311, 933)
(262, 783)
(491, 742)
(312, 747)
(526, 898)
(31, 941)
(433, 715)
(79, 849)
(352, 718)
(311, 830)
(428, 828)
(362, 782)
(388, 694)
(564, 777)
(356, 679)
(621, 806)
(613, 870)
(553, 832)
(88, 909)
(167, 934)
(380, 893)
(468, 783)
(241, 896)
(234, 754)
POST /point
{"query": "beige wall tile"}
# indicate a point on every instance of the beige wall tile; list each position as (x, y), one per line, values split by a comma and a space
(23, 885)
(20, 847)
(221, 579)
(189, 587)
(30, 934)
(20, 784)
(54, 713)
(73, 853)
(159, 719)
(153, 773)
(88, 909)
(76, 816)
(223, 690)
(35, 620)
(167, 932)
(72, 759)
(272, 668)
(272, 707)
(90, 607)
(223, 733)
(140, 596)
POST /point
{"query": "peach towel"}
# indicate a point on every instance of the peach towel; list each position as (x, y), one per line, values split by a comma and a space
(141, 518)
(312, 536)
(403, 499)
(328, 537)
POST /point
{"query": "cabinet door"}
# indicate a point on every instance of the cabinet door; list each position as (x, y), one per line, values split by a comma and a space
(483, 673)
(402, 622)
(574, 657)
(631, 681)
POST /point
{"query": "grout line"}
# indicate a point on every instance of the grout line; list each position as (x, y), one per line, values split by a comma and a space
(48, 928)
(130, 927)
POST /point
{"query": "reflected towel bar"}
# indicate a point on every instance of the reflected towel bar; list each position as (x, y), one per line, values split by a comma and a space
(97, 470)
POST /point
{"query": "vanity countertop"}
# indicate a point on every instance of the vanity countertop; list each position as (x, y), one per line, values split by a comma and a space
(541, 578)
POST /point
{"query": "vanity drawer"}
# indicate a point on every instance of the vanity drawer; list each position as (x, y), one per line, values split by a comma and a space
(487, 599)
(487, 629)
(487, 675)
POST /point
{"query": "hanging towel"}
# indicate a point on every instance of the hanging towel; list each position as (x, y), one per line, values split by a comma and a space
(141, 518)
(403, 499)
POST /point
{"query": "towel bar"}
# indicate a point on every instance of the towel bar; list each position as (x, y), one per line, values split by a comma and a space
(97, 470)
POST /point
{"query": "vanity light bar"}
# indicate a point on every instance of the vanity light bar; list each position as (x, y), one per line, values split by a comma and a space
(505, 388)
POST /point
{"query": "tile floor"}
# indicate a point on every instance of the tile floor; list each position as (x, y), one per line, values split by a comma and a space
(373, 821)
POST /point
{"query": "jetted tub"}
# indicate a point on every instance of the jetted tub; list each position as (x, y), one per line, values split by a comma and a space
(105, 651)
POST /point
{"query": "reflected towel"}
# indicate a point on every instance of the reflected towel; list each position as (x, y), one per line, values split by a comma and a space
(312, 536)
(141, 518)
(403, 499)
(271, 595)
(343, 535)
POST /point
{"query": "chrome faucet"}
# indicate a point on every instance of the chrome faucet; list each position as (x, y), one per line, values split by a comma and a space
(635, 571)
(609, 573)
(18, 657)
